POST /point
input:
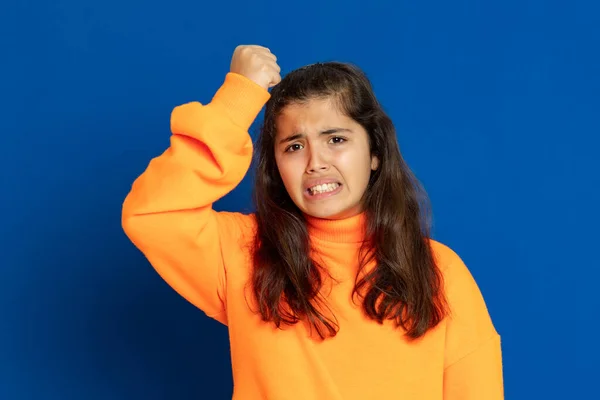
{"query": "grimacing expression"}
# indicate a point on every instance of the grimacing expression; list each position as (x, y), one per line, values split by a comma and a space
(324, 159)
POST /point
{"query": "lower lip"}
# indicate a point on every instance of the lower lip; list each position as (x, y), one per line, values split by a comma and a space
(320, 196)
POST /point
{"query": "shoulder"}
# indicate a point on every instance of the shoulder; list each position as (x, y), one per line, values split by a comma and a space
(243, 221)
(444, 255)
(237, 227)
(456, 273)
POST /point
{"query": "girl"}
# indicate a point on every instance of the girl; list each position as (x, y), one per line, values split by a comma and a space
(333, 288)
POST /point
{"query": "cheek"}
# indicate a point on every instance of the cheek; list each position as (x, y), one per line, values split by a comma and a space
(289, 170)
(354, 165)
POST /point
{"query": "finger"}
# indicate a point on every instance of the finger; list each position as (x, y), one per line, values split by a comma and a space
(262, 50)
(273, 65)
(275, 80)
(259, 48)
(268, 54)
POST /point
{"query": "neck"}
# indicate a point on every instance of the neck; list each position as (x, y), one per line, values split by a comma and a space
(345, 230)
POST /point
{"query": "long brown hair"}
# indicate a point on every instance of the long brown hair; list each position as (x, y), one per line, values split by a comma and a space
(405, 285)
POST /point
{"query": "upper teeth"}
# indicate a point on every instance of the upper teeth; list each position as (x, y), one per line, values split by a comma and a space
(328, 187)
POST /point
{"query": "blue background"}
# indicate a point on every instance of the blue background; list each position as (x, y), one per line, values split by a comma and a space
(497, 109)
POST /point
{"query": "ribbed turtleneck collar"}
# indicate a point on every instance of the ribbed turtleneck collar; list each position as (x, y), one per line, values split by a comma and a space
(347, 230)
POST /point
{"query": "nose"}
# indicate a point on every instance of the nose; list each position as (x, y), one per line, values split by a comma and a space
(317, 161)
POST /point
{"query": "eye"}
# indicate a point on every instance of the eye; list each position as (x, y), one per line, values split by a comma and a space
(293, 147)
(337, 140)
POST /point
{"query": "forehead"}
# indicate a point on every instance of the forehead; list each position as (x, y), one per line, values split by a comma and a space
(310, 115)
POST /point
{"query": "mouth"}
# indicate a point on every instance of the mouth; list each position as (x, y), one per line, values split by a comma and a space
(323, 190)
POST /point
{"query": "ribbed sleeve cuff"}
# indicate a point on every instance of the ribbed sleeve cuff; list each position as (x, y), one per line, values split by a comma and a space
(241, 98)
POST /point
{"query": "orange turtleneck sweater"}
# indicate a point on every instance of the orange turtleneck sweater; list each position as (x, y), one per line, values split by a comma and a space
(203, 254)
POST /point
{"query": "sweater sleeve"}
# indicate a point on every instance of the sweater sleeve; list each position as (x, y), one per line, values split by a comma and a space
(478, 375)
(168, 213)
(473, 359)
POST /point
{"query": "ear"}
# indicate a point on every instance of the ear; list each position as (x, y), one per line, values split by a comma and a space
(374, 163)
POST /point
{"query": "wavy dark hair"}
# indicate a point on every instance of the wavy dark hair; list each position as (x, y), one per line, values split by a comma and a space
(405, 285)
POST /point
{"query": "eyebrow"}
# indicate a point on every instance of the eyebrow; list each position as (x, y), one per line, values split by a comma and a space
(296, 136)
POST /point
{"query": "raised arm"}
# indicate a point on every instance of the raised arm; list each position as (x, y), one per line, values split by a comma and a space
(168, 212)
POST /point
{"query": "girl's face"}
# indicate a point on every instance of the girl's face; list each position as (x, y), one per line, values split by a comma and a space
(323, 158)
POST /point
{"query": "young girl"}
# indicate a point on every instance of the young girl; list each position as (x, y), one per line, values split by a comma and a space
(333, 288)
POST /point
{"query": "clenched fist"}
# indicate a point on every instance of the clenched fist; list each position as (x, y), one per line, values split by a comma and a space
(256, 63)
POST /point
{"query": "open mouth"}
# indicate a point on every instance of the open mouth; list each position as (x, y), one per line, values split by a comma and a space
(324, 188)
